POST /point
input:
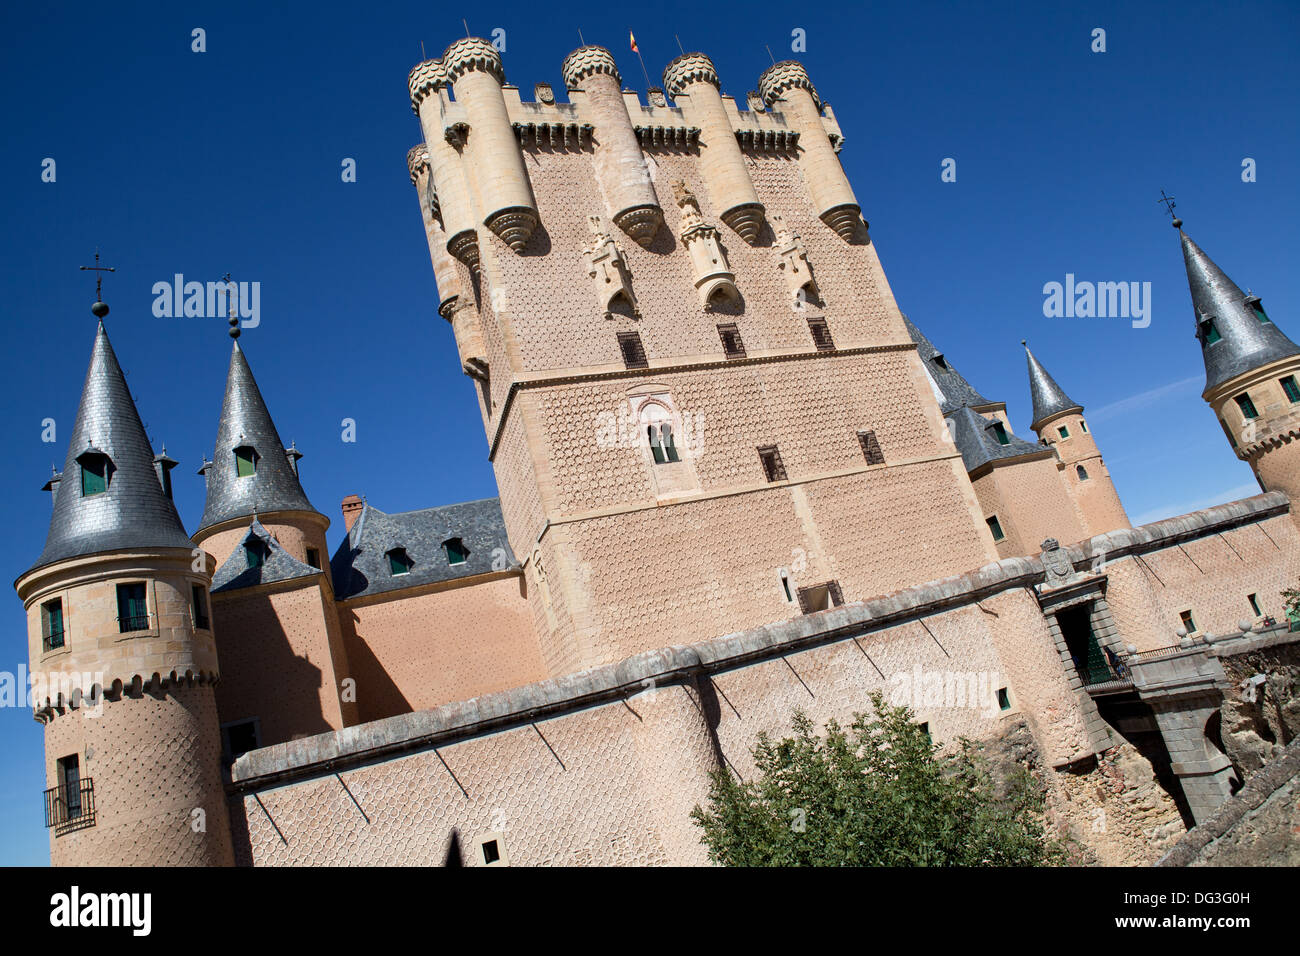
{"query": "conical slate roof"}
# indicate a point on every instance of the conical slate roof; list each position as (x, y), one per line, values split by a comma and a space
(954, 387)
(1049, 398)
(132, 512)
(245, 421)
(1244, 341)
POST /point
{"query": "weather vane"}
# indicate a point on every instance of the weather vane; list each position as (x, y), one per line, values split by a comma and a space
(1169, 206)
(99, 309)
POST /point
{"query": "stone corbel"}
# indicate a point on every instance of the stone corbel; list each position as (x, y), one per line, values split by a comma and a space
(714, 279)
(610, 277)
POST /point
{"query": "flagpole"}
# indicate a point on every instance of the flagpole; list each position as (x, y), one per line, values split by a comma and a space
(635, 49)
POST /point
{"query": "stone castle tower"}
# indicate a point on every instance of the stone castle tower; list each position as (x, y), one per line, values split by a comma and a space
(1058, 422)
(119, 634)
(702, 403)
(1252, 372)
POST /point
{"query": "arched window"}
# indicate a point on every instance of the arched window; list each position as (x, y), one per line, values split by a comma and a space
(657, 420)
(1081, 472)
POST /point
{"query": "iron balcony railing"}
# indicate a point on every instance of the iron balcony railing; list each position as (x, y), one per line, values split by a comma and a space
(134, 622)
(54, 639)
(71, 805)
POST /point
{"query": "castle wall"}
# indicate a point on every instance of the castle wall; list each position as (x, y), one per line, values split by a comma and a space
(282, 659)
(1031, 504)
(416, 651)
(1095, 498)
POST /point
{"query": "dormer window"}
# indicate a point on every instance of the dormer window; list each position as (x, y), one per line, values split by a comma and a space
(245, 461)
(96, 471)
(457, 553)
(1256, 306)
(399, 562)
(1000, 431)
(256, 552)
(1207, 331)
(940, 361)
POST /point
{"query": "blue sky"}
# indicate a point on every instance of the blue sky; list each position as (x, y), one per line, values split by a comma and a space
(229, 161)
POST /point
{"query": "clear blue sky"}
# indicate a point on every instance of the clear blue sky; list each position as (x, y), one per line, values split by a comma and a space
(229, 161)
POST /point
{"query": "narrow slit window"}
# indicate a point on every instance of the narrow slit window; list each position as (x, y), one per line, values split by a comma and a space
(772, 465)
(200, 606)
(1004, 699)
(52, 619)
(1083, 426)
(633, 350)
(871, 448)
(1232, 439)
(1188, 621)
(1254, 604)
(996, 527)
(732, 346)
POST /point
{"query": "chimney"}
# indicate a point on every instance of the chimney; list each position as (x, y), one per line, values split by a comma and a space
(351, 506)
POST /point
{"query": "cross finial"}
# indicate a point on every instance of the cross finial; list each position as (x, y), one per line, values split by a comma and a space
(99, 309)
(1169, 206)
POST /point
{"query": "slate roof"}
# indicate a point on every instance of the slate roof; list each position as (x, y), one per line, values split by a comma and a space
(278, 565)
(1049, 398)
(978, 443)
(360, 565)
(245, 420)
(133, 512)
(954, 387)
(1246, 342)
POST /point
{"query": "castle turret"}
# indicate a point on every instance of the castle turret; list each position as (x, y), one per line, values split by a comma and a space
(621, 168)
(123, 659)
(1058, 422)
(832, 196)
(496, 163)
(692, 81)
(1252, 373)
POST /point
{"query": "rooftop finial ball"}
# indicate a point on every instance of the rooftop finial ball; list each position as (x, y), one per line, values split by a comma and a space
(233, 320)
(99, 309)
(1178, 224)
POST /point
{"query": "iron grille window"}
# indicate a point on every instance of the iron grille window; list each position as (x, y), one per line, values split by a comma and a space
(821, 333)
(633, 350)
(731, 343)
(871, 448)
(772, 466)
(52, 612)
(132, 611)
(200, 607)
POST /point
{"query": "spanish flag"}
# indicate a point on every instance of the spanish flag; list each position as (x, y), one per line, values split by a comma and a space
(632, 36)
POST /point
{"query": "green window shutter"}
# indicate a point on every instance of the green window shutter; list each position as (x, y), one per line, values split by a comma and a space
(1064, 432)
(54, 624)
(457, 553)
(1001, 431)
(94, 475)
(1292, 390)
(655, 448)
(254, 555)
(1246, 405)
(245, 461)
(398, 561)
(1212, 334)
(132, 611)
(670, 449)
(996, 527)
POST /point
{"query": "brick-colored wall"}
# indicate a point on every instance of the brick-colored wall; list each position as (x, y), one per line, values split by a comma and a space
(1031, 504)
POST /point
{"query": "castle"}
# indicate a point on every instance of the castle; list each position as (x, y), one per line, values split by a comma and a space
(734, 480)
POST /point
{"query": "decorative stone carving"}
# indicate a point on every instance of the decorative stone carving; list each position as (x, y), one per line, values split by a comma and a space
(608, 271)
(657, 97)
(713, 277)
(543, 93)
(1058, 568)
(793, 262)
(755, 102)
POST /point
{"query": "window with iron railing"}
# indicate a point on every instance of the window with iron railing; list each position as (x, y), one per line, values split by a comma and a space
(132, 611)
(73, 800)
(52, 621)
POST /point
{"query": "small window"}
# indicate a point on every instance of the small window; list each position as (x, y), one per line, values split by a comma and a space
(1188, 621)
(95, 472)
(200, 606)
(1004, 699)
(871, 448)
(1211, 332)
(132, 611)
(240, 737)
(52, 623)
(732, 346)
(491, 853)
(1081, 472)
(313, 558)
(925, 729)
(1247, 406)
(1063, 432)
(245, 461)
(1254, 604)
(70, 783)
(996, 527)
(772, 466)
(1000, 431)
(821, 333)
(255, 553)
(940, 361)
(166, 481)
(820, 597)
(1257, 307)
(1291, 389)
(1083, 426)
(399, 562)
(633, 350)
(662, 446)
(457, 553)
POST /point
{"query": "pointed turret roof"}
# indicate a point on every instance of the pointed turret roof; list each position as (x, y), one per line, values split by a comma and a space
(952, 385)
(132, 511)
(1049, 398)
(1244, 340)
(976, 437)
(245, 421)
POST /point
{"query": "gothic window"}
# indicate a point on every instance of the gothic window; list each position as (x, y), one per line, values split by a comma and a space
(1247, 406)
(772, 465)
(399, 562)
(457, 553)
(732, 346)
(633, 350)
(245, 461)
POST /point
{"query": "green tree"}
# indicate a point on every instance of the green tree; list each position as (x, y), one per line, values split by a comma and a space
(1292, 598)
(877, 793)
